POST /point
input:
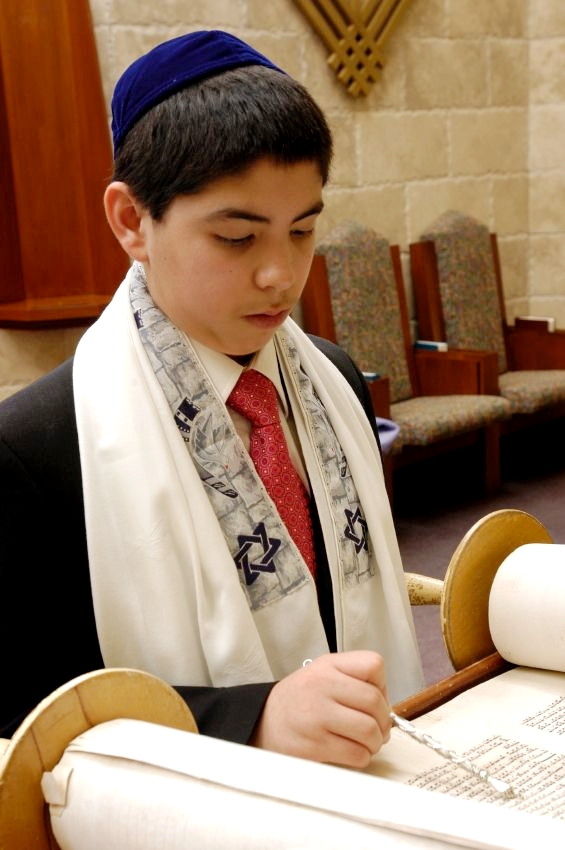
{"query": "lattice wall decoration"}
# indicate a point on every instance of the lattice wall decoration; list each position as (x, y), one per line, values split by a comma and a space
(354, 31)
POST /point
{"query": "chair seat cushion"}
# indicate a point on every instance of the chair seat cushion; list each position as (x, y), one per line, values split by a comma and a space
(528, 391)
(427, 419)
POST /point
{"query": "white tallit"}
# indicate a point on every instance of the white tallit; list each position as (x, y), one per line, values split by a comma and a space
(167, 595)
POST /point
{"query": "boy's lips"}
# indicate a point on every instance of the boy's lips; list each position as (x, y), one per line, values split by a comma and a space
(270, 318)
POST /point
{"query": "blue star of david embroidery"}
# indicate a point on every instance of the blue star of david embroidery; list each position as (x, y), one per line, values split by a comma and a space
(360, 539)
(252, 569)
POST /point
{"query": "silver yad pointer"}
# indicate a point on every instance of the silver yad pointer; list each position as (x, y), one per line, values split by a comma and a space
(497, 785)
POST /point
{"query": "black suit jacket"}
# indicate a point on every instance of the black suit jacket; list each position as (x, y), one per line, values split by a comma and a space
(47, 625)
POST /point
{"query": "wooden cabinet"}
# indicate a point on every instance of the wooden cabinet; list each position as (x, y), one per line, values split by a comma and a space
(60, 261)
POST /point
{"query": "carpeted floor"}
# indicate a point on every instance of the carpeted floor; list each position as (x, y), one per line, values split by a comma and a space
(436, 503)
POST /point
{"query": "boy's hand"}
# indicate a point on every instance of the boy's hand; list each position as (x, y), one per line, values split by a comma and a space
(334, 709)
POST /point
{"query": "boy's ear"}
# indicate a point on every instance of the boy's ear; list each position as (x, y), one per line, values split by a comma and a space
(125, 216)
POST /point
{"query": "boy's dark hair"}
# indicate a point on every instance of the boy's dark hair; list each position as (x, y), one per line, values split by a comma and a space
(218, 127)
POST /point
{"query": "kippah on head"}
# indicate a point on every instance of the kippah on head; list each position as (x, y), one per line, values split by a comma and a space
(170, 67)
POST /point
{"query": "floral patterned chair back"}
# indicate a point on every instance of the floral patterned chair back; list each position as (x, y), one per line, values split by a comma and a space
(472, 312)
(365, 305)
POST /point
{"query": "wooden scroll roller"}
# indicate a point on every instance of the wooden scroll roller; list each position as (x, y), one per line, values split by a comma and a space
(464, 593)
(464, 609)
(40, 741)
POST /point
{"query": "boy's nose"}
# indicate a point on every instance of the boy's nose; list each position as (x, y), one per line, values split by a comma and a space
(276, 272)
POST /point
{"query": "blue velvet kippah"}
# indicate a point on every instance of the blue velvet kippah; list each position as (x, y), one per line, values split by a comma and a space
(170, 67)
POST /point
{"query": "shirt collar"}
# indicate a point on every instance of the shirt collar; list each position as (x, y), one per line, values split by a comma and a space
(224, 372)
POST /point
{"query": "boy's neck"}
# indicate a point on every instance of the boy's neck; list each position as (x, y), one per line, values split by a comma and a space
(243, 359)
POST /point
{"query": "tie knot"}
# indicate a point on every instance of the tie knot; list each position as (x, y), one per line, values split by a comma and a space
(255, 397)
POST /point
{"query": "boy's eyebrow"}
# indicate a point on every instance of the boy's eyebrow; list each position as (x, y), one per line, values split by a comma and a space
(245, 215)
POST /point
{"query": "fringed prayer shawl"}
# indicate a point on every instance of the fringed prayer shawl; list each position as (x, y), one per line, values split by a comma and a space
(194, 577)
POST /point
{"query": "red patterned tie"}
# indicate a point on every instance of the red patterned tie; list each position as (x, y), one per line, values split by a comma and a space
(255, 397)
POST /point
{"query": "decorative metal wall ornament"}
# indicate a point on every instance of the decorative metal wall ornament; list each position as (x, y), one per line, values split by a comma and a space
(354, 31)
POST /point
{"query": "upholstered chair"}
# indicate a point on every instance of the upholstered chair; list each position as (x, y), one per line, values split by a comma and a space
(355, 295)
(459, 298)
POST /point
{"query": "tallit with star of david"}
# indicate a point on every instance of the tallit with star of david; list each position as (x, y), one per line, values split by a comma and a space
(194, 576)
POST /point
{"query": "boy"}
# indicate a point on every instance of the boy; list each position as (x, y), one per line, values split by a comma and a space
(129, 469)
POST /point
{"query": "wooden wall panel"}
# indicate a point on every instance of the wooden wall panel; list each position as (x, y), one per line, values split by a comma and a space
(62, 259)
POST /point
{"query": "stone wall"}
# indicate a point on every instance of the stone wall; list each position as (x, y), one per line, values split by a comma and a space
(468, 113)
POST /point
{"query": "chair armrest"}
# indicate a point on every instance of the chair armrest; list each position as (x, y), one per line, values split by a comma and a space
(380, 395)
(456, 371)
(535, 348)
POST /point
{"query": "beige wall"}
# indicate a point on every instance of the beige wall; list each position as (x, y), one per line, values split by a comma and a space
(468, 113)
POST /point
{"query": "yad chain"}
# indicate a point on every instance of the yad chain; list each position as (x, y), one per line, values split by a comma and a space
(498, 785)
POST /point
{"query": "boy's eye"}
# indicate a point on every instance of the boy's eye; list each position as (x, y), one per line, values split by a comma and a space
(302, 232)
(242, 241)
(236, 241)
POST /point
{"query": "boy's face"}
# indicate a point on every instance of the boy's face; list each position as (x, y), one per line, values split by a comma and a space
(228, 264)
